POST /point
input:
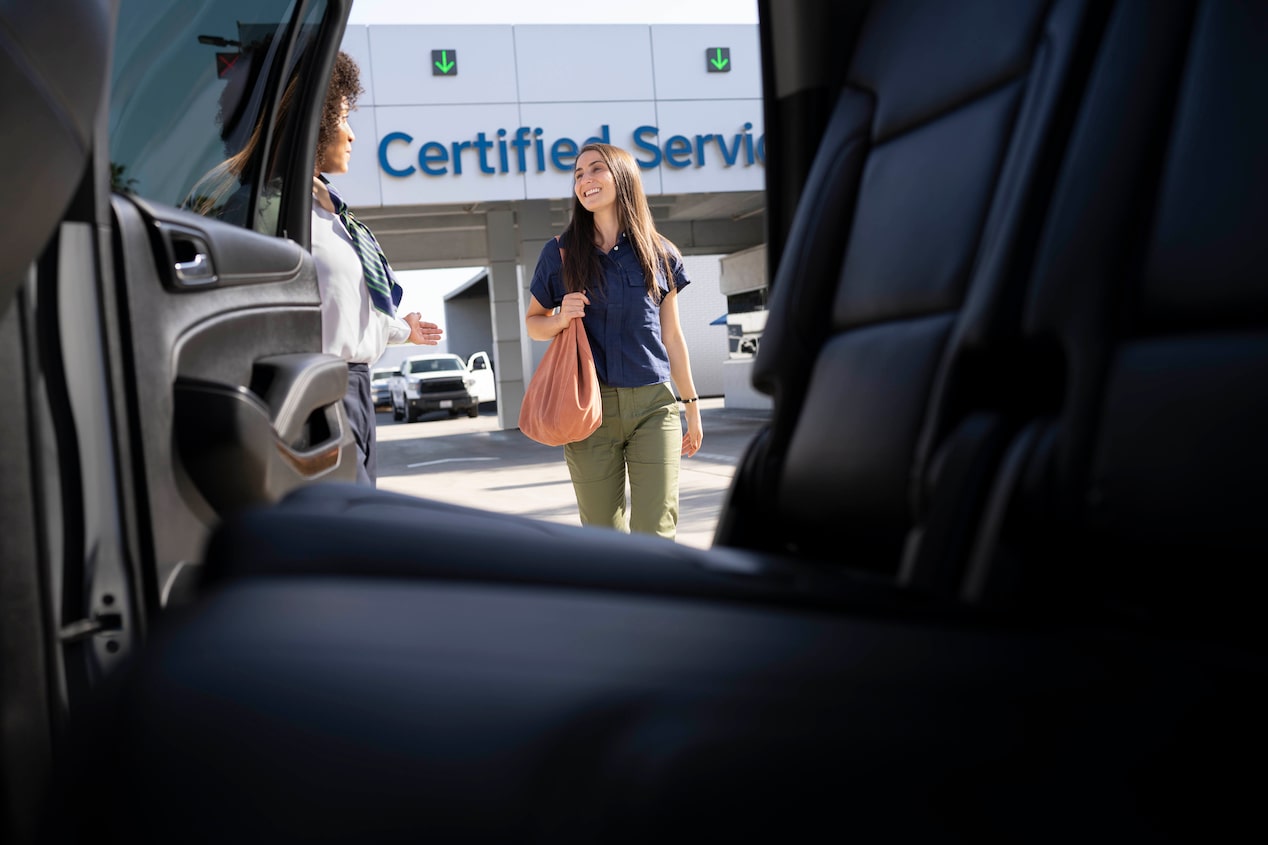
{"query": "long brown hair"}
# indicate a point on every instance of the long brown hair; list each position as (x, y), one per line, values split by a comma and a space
(210, 191)
(582, 267)
(207, 196)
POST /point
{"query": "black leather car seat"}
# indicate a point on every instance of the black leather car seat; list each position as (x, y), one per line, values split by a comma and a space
(1094, 367)
(891, 307)
(52, 60)
(1143, 488)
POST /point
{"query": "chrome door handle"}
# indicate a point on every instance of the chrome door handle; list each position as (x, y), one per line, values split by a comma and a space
(197, 270)
(189, 256)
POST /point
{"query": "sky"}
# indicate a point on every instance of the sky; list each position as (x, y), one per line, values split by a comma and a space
(553, 11)
(425, 289)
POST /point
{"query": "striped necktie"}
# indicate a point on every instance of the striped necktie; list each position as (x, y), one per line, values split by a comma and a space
(385, 292)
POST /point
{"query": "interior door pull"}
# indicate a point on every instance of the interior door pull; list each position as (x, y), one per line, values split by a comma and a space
(190, 257)
(197, 270)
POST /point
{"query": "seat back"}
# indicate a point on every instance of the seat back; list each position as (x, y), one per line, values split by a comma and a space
(1144, 487)
(899, 280)
(53, 59)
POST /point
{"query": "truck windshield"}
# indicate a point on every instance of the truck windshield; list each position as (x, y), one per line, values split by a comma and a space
(434, 365)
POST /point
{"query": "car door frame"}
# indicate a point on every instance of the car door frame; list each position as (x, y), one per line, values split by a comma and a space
(116, 343)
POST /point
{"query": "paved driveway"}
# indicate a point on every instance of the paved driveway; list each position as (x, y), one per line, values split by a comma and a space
(470, 462)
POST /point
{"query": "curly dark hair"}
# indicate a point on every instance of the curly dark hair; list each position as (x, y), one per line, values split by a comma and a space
(345, 83)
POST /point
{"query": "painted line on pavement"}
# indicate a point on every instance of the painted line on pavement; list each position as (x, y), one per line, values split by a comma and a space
(711, 456)
(448, 461)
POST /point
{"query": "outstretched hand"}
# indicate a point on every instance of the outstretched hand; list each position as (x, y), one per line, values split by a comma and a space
(424, 334)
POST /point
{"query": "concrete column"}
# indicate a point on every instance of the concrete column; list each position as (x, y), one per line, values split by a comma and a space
(504, 313)
(535, 228)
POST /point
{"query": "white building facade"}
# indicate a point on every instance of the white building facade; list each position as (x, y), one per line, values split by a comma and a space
(467, 135)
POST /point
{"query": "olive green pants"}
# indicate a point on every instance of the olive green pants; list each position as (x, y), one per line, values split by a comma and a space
(641, 436)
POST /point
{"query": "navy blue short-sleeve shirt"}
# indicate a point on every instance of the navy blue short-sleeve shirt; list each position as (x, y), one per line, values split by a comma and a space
(621, 321)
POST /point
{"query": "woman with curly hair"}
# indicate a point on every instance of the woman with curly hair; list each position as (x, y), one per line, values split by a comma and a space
(359, 293)
(611, 269)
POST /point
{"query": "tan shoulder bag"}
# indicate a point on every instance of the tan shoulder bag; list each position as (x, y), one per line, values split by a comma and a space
(562, 403)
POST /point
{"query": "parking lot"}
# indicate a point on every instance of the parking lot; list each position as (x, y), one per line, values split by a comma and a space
(469, 461)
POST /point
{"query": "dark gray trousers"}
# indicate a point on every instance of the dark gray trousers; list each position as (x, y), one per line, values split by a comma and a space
(359, 405)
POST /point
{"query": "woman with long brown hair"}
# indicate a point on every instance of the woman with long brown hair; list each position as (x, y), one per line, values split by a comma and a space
(611, 269)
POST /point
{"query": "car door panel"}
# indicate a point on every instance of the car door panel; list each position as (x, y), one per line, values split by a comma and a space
(247, 446)
(111, 304)
(204, 161)
(234, 404)
(196, 252)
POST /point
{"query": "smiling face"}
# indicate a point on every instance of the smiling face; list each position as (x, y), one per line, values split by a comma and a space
(593, 182)
(336, 155)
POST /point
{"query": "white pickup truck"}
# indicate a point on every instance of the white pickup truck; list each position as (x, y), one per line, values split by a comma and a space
(441, 382)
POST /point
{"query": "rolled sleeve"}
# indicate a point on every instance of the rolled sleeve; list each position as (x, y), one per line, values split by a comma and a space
(398, 331)
(681, 279)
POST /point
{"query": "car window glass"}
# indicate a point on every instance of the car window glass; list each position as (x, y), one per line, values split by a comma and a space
(190, 107)
(434, 365)
(288, 122)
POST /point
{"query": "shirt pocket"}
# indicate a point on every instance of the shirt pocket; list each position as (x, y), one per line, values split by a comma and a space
(553, 292)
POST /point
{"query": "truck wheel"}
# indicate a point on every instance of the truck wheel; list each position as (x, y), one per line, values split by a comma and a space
(473, 411)
(411, 413)
(398, 414)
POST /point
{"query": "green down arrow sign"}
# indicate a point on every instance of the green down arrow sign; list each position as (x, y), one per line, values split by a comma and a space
(444, 62)
(718, 59)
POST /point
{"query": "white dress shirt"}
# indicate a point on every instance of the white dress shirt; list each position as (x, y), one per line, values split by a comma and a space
(351, 327)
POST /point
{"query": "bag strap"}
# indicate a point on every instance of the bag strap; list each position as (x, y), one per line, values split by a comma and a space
(563, 253)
